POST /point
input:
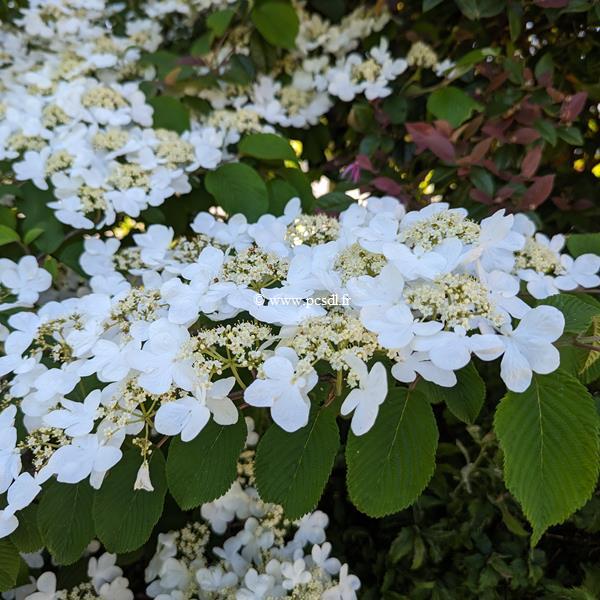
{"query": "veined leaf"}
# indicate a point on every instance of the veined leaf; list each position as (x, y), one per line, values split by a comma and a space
(390, 465)
(204, 468)
(293, 468)
(125, 517)
(549, 437)
(65, 520)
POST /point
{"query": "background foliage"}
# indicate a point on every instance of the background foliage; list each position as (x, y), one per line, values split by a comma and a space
(515, 126)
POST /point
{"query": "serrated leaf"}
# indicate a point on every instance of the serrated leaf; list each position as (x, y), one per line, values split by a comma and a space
(583, 243)
(549, 437)
(293, 468)
(27, 537)
(267, 146)
(577, 312)
(125, 517)
(204, 468)
(170, 113)
(277, 22)
(65, 520)
(452, 104)
(238, 188)
(390, 465)
(464, 400)
(9, 565)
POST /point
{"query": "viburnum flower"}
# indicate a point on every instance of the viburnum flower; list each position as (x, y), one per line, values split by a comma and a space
(188, 415)
(158, 359)
(366, 399)
(413, 364)
(76, 418)
(529, 347)
(10, 457)
(285, 390)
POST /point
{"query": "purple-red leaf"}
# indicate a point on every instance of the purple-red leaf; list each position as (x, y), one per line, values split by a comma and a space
(537, 193)
(425, 136)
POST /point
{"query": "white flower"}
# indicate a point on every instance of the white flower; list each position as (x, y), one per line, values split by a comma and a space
(10, 458)
(159, 362)
(583, 271)
(321, 558)
(25, 279)
(410, 366)
(76, 418)
(103, 569)
(84, 456)
(257, 587)
(188, 415)
(22, 493)
(295, 574)
(215, 579)
(345, 589)
(46, 586)
(529, 347)
(395, 326)
(284, 390)
(365, 399)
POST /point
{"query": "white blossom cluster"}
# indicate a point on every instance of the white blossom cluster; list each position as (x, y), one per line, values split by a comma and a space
(259, 555)
(241, 315)
(73, 116)
(104, 580)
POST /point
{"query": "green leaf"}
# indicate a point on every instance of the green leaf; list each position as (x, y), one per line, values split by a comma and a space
(9, 565)
(464, 400)
(549, 437)
(238, 188)
(334, 201)
(27, 537)
(544, 66)
(203, 469)
(125, 517)
(480, 9)
(452, 104)
(33, 204)
(65, 520)
(219, 21)
(8, 235)
(546, 130)
(267, 146)
(293, 468)
(277, 22)
(578, 313)
(170, 113)
(8, 216)
(515, 20)
(429, 4)
(483, 180)
(280, 193)
(32, 234)
(390, 465)
(583, 243)
(396, 108)
(571, 135)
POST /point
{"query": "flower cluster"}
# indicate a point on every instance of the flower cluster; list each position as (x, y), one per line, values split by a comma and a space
(74, 116)
(104, 581)
(425, 291)
(22, 282)
(259, 554)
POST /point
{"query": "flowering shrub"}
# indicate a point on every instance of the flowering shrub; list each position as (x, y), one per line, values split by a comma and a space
(317, 215)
